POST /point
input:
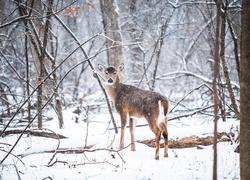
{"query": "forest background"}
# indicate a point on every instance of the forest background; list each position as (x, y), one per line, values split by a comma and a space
(49, 51)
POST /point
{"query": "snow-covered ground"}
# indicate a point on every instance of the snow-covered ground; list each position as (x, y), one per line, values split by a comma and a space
(188, 163)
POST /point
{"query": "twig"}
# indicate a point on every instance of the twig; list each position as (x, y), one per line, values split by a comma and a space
(87, 128)
(13, 155)
(82, 151)
(47, 178)
(6, 144)
(17, 172)
(191, 113)
(56, 161)
(101, 162)
(81, 164)
(58, 145)
(190, 93)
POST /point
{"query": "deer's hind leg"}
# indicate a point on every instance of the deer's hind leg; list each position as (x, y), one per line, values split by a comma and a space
(157, 145)
(165, 136)
(163, 128)
(156, 130)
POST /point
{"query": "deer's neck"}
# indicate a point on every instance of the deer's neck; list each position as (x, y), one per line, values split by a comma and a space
(112, 89)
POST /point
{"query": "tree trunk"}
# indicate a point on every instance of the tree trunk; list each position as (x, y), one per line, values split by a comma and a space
(39, 60)
(27, 73)
(216, 73)
(158, 48)
(112, 32)
(224, 64)
(236, 45)
(245, 93)
(57, 96)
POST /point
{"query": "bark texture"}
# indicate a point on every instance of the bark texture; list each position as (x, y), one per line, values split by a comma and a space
(112, 32)
(245, 93)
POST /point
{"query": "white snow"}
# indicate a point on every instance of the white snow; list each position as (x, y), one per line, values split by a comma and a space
(188, 163)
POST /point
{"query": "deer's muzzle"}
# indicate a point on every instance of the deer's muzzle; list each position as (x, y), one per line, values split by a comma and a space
(110, 80)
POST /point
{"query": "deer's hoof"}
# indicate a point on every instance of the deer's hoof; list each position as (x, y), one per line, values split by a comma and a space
(133, 149)
(157, 158)
(166, 155)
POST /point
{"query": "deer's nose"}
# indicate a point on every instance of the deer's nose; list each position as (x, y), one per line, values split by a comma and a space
(110, 80)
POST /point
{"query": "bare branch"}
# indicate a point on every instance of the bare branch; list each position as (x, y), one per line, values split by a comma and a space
(14, 21)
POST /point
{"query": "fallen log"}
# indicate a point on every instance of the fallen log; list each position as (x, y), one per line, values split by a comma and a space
(192, 141)
(38, 133)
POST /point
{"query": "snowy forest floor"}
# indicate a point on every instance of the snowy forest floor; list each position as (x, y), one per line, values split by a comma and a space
(190, 151)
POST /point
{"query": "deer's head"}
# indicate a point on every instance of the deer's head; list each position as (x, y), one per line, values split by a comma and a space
(111, 74)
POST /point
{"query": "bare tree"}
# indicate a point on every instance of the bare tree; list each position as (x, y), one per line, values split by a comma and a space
(223, 59)
(133, 33)
(39, 31)
(216, 99)
(112, 32)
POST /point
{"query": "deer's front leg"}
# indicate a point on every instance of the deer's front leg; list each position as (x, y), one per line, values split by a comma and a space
(132, 131)
(123, 125)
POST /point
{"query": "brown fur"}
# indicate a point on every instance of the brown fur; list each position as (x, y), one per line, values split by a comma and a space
(131, 102)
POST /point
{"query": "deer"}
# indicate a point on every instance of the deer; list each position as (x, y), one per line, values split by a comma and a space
(133, 103)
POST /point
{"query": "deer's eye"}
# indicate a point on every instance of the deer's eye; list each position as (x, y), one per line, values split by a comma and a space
(114, 73)
(106, 72)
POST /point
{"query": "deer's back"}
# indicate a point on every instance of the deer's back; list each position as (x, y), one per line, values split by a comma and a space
(137, 102)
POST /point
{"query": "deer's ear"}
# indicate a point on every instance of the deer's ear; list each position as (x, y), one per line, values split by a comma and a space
(101, 67)
(121, 67)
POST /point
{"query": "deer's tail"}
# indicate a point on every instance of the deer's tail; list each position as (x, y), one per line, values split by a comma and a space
(163, 114)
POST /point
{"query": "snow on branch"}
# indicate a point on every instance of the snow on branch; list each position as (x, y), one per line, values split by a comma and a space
(175, 5)
(189, 73)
